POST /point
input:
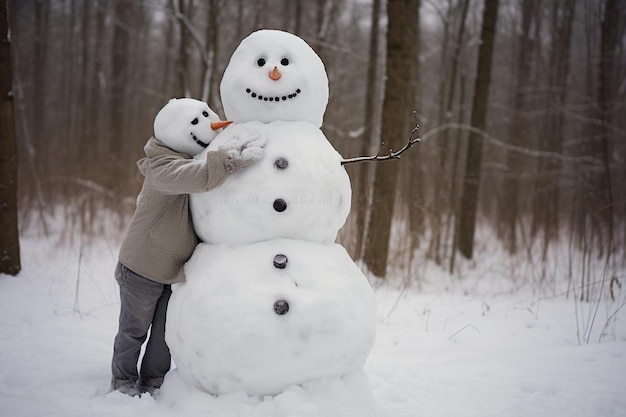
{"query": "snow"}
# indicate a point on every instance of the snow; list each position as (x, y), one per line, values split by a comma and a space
(225, 335)
(482, 346)
(184, 125)
(311, 181)
(249, 93)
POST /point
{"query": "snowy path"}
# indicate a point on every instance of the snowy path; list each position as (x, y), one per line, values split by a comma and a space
(437, 353)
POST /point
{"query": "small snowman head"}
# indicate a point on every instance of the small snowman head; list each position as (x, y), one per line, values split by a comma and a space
(274, 75)
(187, 125)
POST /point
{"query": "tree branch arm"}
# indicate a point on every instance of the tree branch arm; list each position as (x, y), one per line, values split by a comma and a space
(391, 155)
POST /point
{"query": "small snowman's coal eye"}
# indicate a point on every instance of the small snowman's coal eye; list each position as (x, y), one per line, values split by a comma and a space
(261, 62)
(205, 113)
(194, 121)
(284, 61)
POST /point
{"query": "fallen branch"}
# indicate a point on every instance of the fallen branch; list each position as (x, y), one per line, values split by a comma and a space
(391, 155)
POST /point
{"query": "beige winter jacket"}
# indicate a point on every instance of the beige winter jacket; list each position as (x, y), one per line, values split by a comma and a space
(160, 237)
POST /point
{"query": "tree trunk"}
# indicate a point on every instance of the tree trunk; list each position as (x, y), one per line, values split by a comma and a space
(9, 238)
(121, 64)
(214, 42)
(184, 7)
(260, 15)
(469, 197)
(210, 85)
(444, 194)
(42, 26)
(413, 160)
(518, 131)
(361, 191)
(545, 210)
(298, 18)
(608, 95)
(87, 113)
(395, 114)
(439, 169)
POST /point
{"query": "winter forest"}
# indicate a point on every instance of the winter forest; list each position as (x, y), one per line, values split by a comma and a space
(520, 105)
(495, 245)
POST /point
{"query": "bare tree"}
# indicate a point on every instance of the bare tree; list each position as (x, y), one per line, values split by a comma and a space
(394, 122)
(518, 129)
(362, 175)
(444, 194)
(469, 198)
(210, 87)
(413, 164)
(128, 17)
(9, 238)
(183, 9)
(611, 34)
(546, 207)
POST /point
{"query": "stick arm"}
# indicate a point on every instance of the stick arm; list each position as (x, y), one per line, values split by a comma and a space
(391, 155)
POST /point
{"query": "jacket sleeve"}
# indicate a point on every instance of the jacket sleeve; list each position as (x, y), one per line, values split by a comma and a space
(172, 173)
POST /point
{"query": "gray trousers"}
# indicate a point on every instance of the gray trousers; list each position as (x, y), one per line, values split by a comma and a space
(143, 307)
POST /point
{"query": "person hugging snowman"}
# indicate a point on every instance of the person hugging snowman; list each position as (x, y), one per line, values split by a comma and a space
(271, 302)
(160, 237)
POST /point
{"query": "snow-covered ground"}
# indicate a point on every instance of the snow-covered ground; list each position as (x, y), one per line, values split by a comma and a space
(483, 345)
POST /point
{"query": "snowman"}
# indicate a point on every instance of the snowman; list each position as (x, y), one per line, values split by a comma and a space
(187, 125)
(270, 299)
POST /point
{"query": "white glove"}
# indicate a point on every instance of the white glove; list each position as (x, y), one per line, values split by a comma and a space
(242, 152)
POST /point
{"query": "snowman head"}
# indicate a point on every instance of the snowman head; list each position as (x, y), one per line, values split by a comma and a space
(187, 125)
(274, 75)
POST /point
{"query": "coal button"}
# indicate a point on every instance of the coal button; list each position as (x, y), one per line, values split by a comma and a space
(281, 307)
(281, 163)
(280, 261)
(280, 205)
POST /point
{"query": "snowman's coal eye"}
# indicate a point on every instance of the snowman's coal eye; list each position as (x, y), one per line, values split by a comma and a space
(205, 114)
(194, 121)
(261, 62)
(284, 61)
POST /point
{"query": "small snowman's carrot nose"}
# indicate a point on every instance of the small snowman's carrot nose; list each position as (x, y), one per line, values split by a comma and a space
(275, 74)
(220, 124)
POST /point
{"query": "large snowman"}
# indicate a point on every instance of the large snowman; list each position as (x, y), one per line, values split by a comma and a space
(270, 300)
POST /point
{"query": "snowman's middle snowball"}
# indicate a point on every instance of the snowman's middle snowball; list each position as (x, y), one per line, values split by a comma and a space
(298, 190)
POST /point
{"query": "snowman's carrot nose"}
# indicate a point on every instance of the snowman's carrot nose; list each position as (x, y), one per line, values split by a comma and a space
(220, 124)
(275, 74)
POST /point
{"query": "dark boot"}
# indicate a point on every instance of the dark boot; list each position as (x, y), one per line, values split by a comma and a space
(125, 386)
(149, 385)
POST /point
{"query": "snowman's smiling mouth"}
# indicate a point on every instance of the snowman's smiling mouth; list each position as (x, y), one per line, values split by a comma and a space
(284, 97)
(198, 141)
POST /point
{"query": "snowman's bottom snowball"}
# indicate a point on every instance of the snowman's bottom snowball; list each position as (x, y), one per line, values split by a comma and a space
(226, 333)
(347, 396)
